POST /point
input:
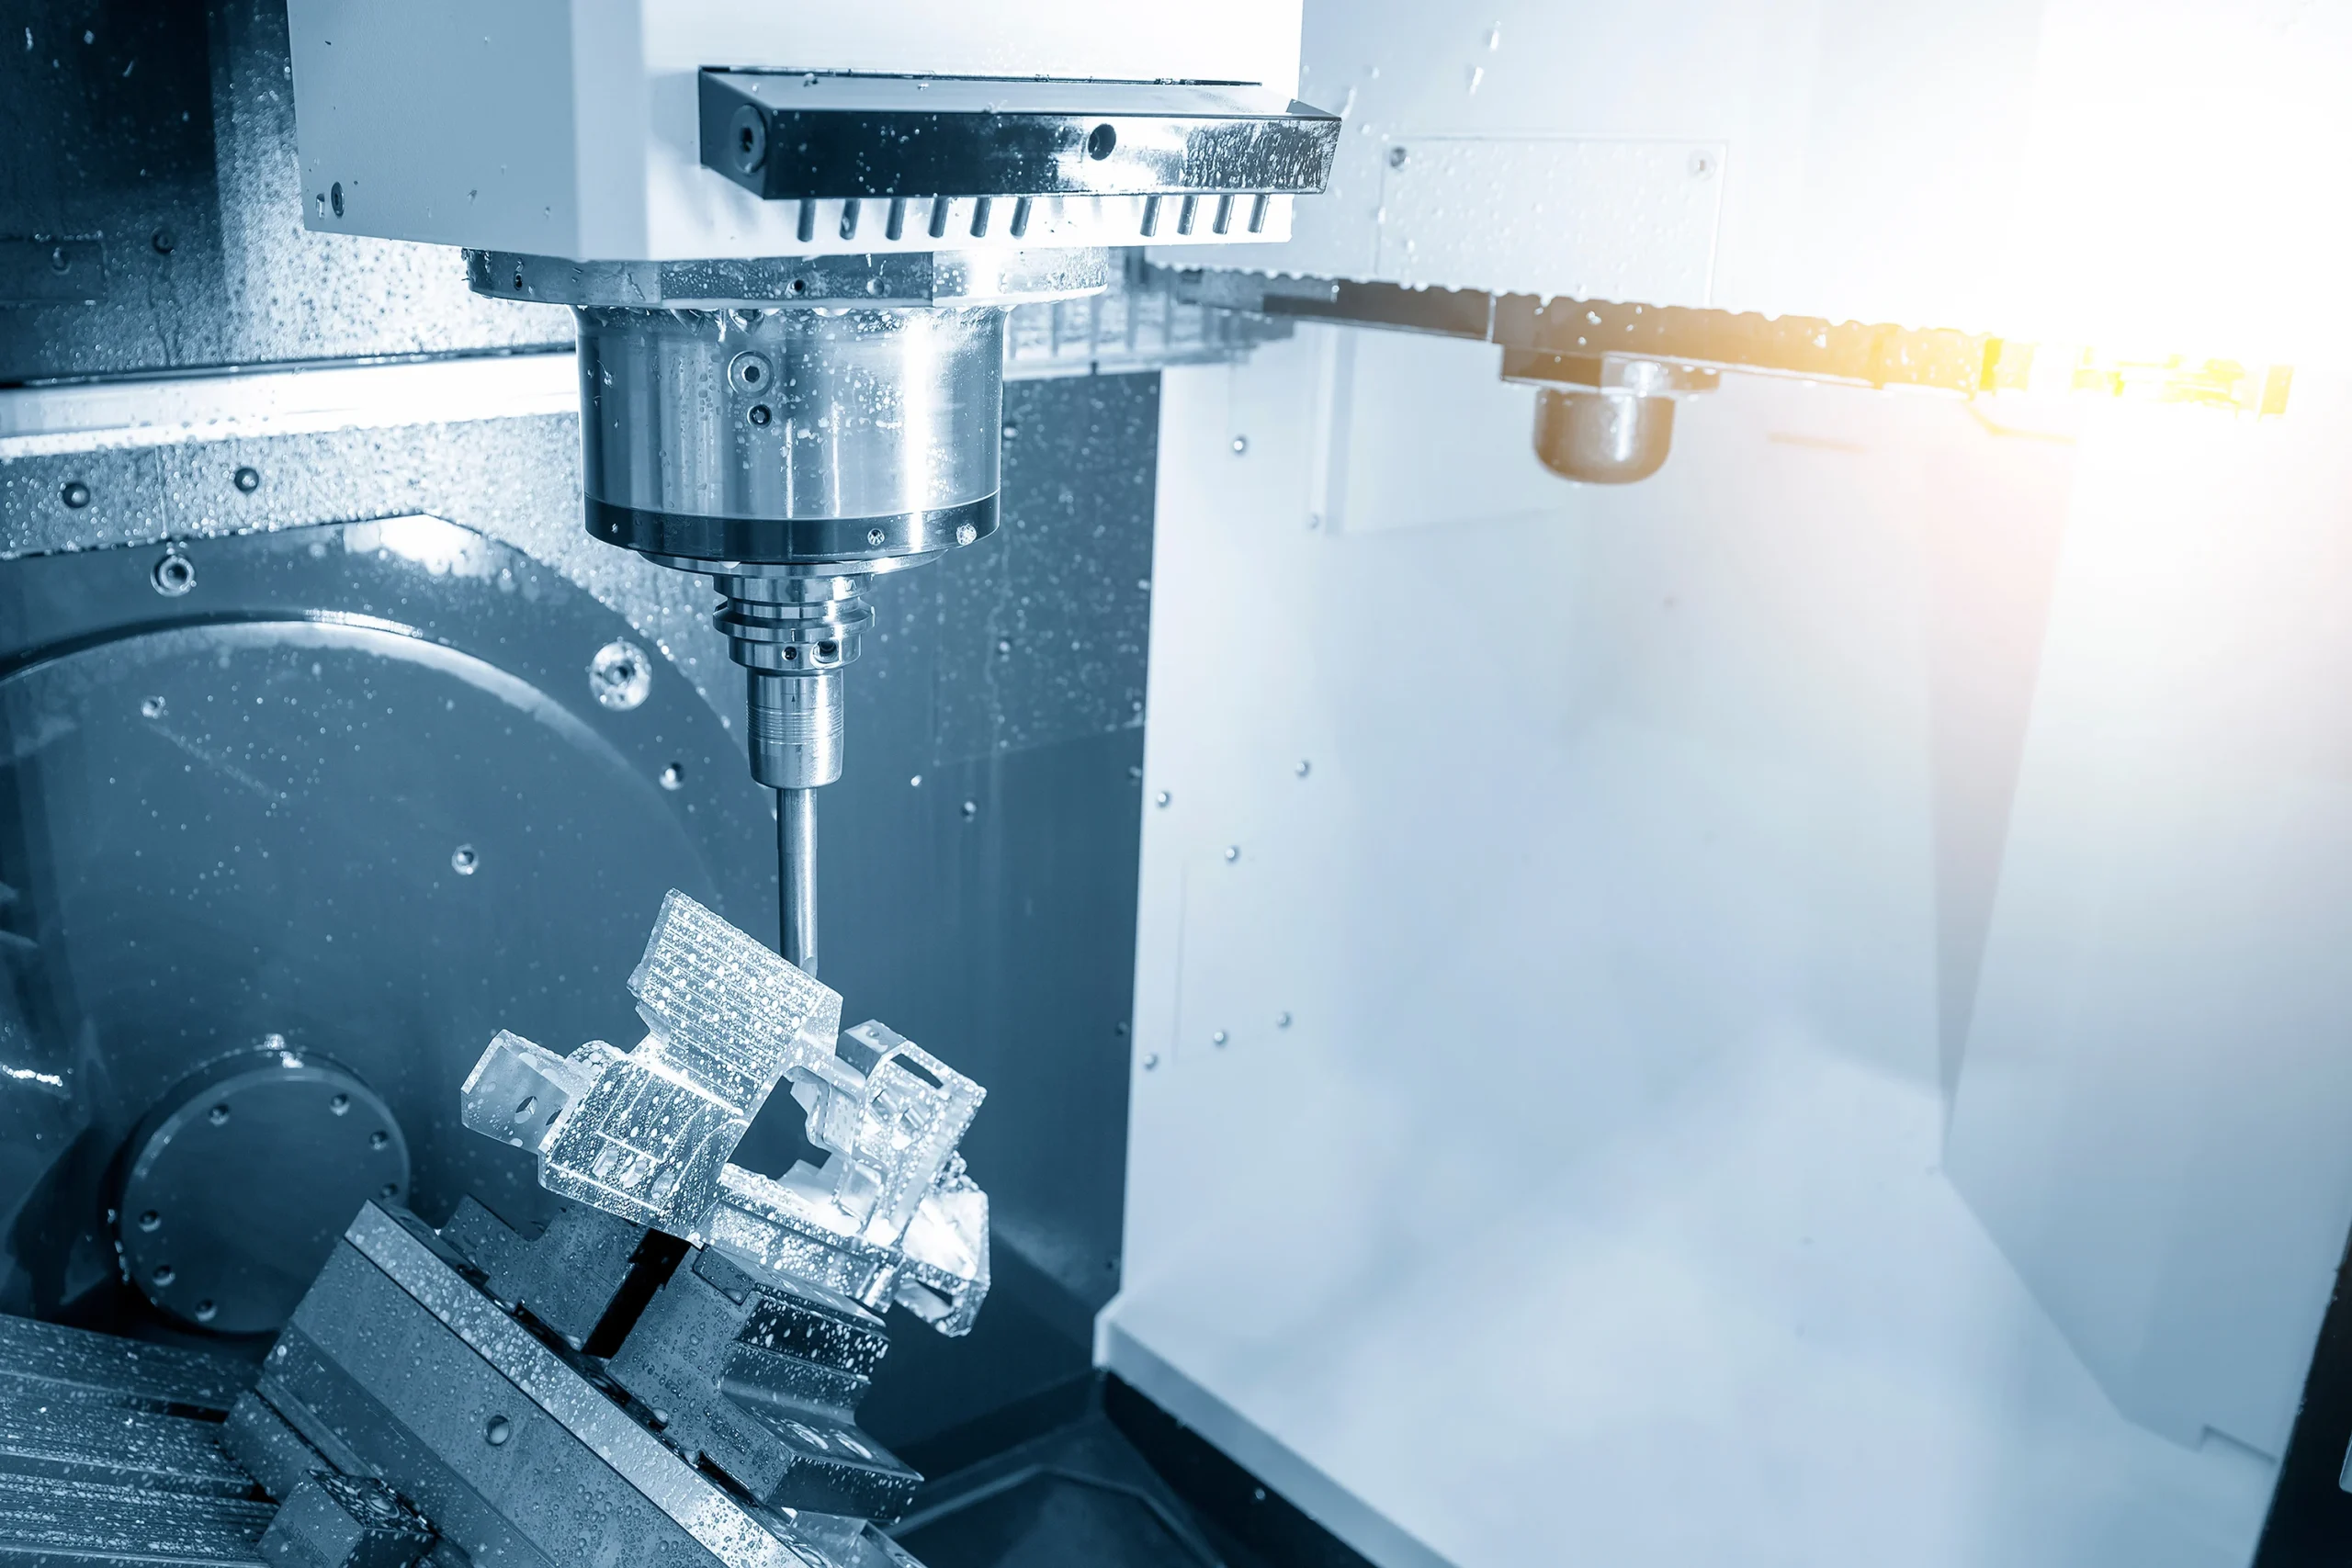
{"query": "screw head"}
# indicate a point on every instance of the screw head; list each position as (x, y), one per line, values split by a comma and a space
(173, 575)
(759, 415)
(966, 533)
(875, 536)
(620, 676)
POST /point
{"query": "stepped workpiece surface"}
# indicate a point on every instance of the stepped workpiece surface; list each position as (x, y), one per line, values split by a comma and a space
(669, 1371)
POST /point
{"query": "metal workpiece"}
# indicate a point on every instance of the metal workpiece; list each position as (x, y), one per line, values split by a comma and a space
(890, 1216)
(644, 1135)
(609, 1384)
(814, 135)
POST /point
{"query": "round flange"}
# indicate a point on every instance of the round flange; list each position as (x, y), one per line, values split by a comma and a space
(240, 1181)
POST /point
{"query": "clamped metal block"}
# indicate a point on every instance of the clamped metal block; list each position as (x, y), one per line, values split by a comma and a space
(669, 1371)
(346, 1521)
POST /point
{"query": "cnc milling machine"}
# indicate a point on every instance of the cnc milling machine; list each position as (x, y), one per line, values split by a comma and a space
(1615, 751)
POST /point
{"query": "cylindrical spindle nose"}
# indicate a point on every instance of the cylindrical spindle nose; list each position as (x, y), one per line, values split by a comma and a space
(795, 729)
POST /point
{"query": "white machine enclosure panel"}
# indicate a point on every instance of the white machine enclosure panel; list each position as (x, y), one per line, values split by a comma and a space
(1777, 1015)
(2133, 175)
(1627, 219)
(570, 127)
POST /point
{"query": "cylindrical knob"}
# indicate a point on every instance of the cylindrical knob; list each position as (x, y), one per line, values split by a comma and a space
(795, 729)
(1603, 437)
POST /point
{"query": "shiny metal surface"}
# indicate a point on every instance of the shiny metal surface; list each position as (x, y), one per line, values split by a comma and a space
(794, 435)
(890, 1214)
(1606, 437)
(795, 864)
(795, 729)
(869, 281)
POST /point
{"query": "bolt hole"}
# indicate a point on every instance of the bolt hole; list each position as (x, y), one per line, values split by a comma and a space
(760, 413)
(379, 1138)
(339, 1104)
(75, 494)
(392, 1189)
(150, 1221)
(165, 1274)
(206, 1311)
(1101, 142)
(173, 575)
(529, 1107)
(334, 197)
(673, 776)
(498, 1429)
(826, 649)
(249, 480)
(800, 286)
(216, 1115)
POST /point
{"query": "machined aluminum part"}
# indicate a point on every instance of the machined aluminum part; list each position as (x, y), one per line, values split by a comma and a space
(645, 1135)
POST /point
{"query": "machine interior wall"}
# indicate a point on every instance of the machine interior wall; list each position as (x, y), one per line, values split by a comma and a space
(1982, 1200)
